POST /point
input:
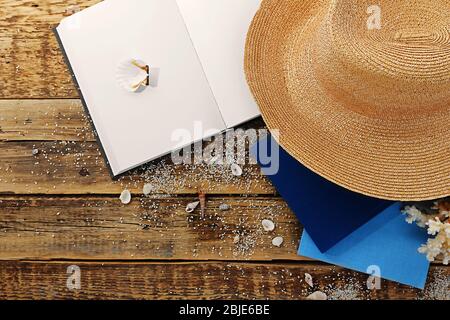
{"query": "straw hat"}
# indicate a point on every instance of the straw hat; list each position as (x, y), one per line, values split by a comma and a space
(366, 106)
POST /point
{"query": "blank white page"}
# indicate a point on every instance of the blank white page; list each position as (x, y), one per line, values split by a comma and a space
(218, 29)
(135, 128)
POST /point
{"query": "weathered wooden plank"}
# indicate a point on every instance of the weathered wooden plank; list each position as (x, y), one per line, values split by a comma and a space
(206, 280)
(70, 162)
(101, 228)
(32, 64)
(55, 120)
(44, 120)
(63, 167)
(28, 12)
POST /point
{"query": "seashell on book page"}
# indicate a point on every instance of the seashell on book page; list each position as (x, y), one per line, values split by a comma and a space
(134, 75)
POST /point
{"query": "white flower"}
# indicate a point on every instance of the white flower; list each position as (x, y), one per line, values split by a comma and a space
(410, 219)
(431, 255)
(446, 258)
(439, 240)
(432, 249)
(438, 226)
(434, 226)
(446, 229)
(445, 213)
(414, 215)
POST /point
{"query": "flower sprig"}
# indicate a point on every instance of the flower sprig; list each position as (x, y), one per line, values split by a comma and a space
(436, 220)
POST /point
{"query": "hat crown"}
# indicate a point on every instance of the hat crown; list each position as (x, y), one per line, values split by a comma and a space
(312, 80)
(392, 59)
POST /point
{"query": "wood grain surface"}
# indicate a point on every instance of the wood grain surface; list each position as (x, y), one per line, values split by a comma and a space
(32, 65)
(150, 228)
(197, 280)
(70, 162)
(60, 207)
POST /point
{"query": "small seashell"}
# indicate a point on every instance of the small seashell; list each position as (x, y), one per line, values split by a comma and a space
(192, 206)
(125, 197)
(236, 239)
(278, 241)
(268, 225)
(147, 189)
(224, 207)
(318, 295)
(236, 170)
(309, 279)
(35, 152)
(132, 75)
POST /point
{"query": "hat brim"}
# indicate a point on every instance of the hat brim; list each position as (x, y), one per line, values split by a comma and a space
(395, 159)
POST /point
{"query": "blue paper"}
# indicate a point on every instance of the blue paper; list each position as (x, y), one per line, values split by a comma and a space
(327, 211)
(386, 241)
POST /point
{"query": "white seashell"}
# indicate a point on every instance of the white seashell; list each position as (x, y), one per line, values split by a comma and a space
(125, 197)
(318, 295)
(309, 279)
(268, 225)
(278, 241)
(131, 75)
(236, 239)
(192, 206)
(236, 170)
(147, 189)
(224, 207)
(35, 152)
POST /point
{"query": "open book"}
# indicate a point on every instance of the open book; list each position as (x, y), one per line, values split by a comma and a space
(197, 47)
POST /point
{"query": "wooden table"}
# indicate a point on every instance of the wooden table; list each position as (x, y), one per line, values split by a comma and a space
(60, 207)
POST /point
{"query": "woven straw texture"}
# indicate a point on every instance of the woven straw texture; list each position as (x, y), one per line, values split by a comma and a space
(366, 109)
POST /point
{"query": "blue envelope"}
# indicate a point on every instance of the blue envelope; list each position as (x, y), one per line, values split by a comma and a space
(327, 211)
(386, 244)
